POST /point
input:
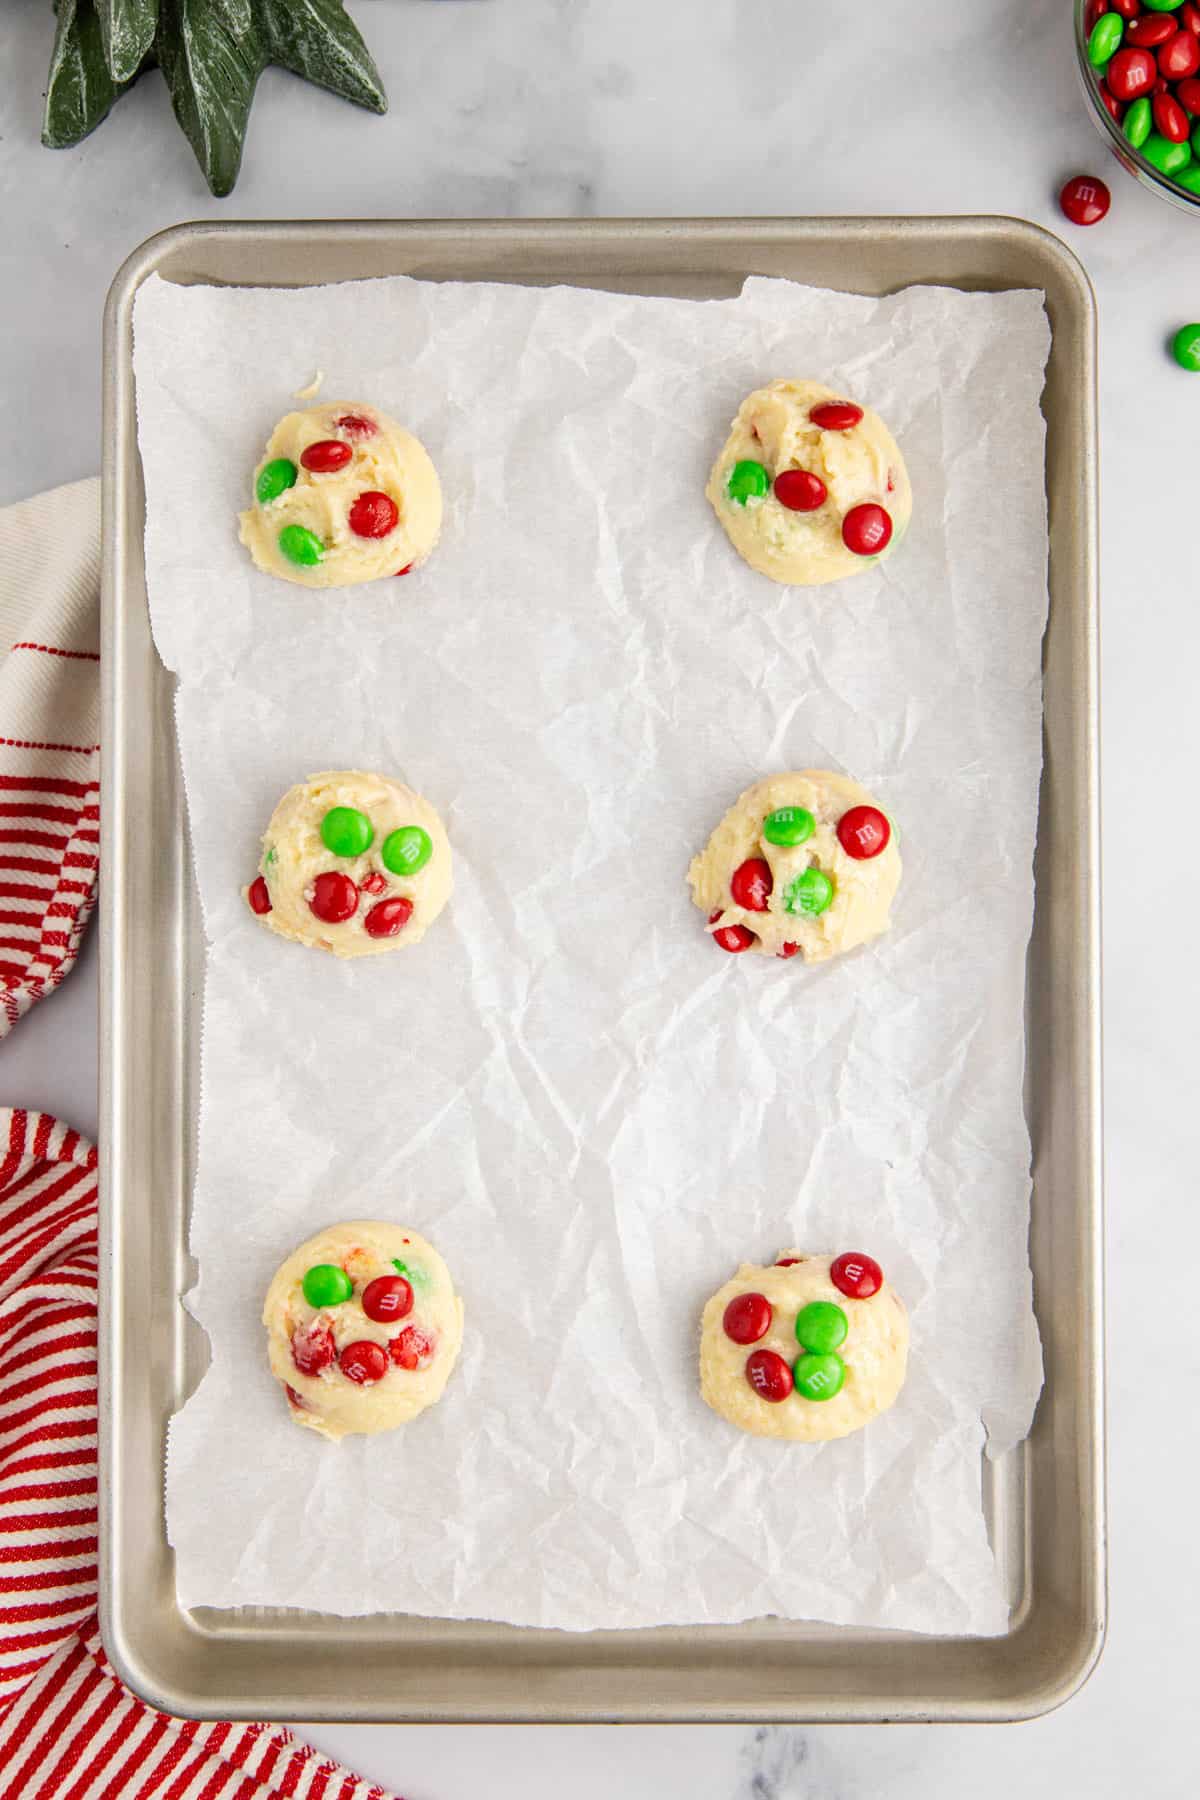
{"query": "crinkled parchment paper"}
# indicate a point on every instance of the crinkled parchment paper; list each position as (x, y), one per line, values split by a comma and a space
(593, 1112)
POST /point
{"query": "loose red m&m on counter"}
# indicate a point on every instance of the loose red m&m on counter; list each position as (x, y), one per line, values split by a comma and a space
(747, 1318)
(1085, 199)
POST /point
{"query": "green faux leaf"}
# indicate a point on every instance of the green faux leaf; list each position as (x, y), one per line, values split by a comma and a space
(212, 70)
(239, 13)
(316, 39)
(127, 32)
(79, 88)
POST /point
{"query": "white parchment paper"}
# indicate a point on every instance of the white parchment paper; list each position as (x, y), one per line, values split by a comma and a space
(593, 1112)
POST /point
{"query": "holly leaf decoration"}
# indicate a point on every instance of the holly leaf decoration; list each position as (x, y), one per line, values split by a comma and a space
(317, 39)
(79, 90)
(127, 32)
(211, 53)
(211, 70)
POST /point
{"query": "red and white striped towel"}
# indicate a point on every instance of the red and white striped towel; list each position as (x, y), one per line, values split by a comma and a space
(49, 756)
(69, 1728)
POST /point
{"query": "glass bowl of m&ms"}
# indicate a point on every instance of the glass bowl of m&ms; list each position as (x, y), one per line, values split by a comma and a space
(1140, 65)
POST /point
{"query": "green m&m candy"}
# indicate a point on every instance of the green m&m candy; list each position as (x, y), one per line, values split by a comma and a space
(789, 825)
(819, 1376)
(810, 893)
(1163, 5)
(821, 1326)
(406, 850)
(346, 831)
(275, 478)
(1106, 36)
(300, 545)
(1168, 158)
(1185, 345)
(749, 480)
(326, 1285)
(1138, 117)
(413, 1273)
(1189, 178)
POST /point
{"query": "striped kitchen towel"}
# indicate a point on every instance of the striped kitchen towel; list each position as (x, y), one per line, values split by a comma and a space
(49, 727)
(69, 1728)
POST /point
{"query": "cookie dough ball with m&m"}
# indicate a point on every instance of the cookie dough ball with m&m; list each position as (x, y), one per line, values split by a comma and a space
(342, 495)
(809, 1348)
(803, 864)
(810, 487)
(363, 1328)
(352, 863)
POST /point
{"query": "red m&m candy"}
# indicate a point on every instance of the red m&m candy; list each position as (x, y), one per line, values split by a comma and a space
(1179, 57)
(751, 884)
(787, 951)
(836, 415)
(386, 1298)
(388, 918)
(412, 1348)
(323, 457)
(788, 1262)
(373, 515)
(374, 883)
(1148, 32)
(867, 529)
(406, 570)
(1130, 73)
(1169, 117)
(800, 490)
(856, 1275)
(1188, 94)
(747, 1318)
(363, 1362)
(1111, 106)
(769, 1375)
(1085, 199)
(1189, 17)
(258, 896)
(334, 898)
(313, 1350)
(357, 424)
(863, 832)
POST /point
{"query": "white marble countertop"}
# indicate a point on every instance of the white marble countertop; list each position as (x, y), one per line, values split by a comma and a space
(616, 106)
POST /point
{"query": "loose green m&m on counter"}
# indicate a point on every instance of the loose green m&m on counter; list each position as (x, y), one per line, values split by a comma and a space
(1106, 37)
(819, 1376)
(810, 893)
(346, 831)
(275, 478)
(821, 1326)
(789, 824)
(406, 850)
(326, 1285)
(749, 480)
(300, 545)
(1185, 347)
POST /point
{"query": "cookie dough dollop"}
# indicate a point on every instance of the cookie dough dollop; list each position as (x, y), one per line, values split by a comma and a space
(342, 495)
(353, 863)
(810, 486)
(802, 864)
(363, 1328)
(809, 1348)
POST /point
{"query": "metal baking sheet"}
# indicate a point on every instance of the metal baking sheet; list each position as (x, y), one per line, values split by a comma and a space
(1045, 1501)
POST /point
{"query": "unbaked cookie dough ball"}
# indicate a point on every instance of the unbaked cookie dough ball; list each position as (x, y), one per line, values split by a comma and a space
(813, 1347)
(810, 486)
(343, 495)
(803, 864)
(352, 863)
(363, 1328)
